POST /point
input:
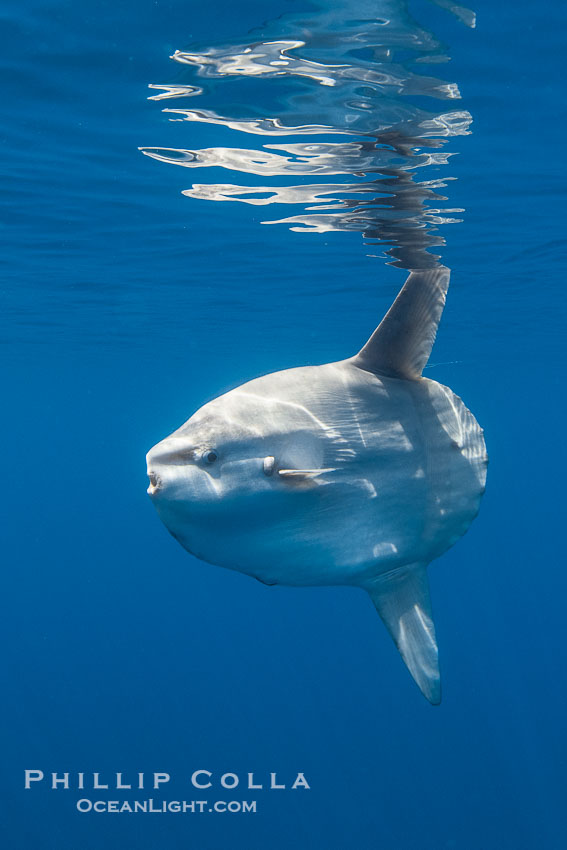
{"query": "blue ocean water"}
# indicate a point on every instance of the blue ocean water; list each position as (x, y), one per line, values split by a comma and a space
(127, 305)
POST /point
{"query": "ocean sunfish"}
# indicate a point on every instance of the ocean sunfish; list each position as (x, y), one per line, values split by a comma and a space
(358, 472)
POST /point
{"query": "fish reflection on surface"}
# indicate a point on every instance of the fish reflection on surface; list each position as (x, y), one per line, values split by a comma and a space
(352, 70)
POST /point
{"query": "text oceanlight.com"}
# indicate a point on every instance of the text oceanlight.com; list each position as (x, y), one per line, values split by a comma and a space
(165, 806)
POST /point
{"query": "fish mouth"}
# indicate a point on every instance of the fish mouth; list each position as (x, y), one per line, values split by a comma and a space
(155, 483)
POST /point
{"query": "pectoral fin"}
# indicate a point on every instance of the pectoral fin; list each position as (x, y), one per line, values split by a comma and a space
(304, 474)
(402, 600)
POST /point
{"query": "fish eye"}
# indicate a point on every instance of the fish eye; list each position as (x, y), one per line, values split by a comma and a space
(210, 456)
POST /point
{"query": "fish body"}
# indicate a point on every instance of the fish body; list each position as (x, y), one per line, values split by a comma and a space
(358, 472)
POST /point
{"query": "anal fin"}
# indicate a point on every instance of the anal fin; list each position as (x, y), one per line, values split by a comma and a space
(402, 600)
(265, 582)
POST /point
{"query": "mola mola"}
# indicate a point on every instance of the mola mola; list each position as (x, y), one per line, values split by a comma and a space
(358, 472)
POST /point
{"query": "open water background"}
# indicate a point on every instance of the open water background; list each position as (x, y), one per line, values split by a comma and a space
(126, 305)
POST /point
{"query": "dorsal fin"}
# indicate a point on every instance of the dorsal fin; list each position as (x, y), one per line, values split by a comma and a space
(402, 600)
(401, 344)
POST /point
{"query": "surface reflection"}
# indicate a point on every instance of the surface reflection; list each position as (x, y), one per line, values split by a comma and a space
(357, 70)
